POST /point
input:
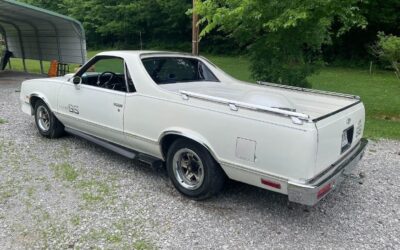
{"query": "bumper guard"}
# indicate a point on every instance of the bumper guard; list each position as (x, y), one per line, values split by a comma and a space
(310, 192)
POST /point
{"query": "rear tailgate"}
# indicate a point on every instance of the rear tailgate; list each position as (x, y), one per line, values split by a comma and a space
(338, 133)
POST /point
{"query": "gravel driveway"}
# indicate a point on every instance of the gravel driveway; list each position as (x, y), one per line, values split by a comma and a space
(69, 193)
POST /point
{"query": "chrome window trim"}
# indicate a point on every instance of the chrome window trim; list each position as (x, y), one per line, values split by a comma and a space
(177, 56)
(93, 61)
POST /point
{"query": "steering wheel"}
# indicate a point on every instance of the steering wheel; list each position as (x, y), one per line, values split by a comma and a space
(105, 84)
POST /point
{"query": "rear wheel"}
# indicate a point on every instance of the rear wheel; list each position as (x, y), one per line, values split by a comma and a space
(48, 125)
(193, 171)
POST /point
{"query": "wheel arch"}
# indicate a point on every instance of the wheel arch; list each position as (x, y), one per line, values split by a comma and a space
(33, 98)
(168, 137)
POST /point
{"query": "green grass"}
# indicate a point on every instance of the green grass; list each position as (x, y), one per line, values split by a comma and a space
(75, 220)
(2, 121)
(233, 65)
(33, 66)
(65, 171)
(95, 191)
(142, 245)
(380, 91)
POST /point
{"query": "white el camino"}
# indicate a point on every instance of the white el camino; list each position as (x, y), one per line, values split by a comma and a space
(206, 126)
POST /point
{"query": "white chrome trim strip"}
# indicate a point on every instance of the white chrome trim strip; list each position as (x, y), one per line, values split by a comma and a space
(308, 90)
(253, 171)
(234, 105)
(221, 112)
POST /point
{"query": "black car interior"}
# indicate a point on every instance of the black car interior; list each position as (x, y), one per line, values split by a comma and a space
(166, 70)
(107, 72)
(106, 79)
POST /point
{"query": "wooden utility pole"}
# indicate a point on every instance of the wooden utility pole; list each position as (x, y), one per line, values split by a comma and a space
(195, 32)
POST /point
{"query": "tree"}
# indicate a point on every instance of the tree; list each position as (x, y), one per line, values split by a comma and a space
(284, 38)
(354, 46)
(118, 23)
(52, 5)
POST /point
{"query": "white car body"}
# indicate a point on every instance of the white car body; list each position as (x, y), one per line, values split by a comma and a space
(276, 137)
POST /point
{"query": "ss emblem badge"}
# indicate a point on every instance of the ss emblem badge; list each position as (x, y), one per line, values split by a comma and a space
(73, 109)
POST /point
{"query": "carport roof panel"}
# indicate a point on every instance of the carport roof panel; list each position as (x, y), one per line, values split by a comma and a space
(34, 33)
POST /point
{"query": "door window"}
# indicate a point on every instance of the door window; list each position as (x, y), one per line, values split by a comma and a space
(105, 72)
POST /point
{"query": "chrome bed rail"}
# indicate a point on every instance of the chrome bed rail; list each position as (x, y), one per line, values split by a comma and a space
(296, 117)
(308, 90)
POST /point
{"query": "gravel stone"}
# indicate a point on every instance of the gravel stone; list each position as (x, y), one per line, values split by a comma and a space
(116, 204)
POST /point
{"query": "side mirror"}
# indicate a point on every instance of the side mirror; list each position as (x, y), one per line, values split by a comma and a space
(76, 80)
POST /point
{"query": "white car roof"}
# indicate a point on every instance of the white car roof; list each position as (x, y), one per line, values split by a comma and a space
(142, 53)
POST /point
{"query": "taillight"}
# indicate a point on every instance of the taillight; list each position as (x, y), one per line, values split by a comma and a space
(325, 189)
(271, 183)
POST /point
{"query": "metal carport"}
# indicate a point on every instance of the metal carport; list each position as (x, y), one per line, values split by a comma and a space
(34, 33)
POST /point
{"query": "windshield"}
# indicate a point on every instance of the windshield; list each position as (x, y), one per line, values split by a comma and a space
(166, 70)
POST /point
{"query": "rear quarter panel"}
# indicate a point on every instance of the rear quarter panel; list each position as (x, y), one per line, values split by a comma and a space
(330, 132)
(282, 148)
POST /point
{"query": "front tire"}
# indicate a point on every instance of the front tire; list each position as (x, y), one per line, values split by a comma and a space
(48, 125)
(193, 170)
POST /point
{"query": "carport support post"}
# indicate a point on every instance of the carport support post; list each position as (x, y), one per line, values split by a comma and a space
(41, 67)
(23, 62)
(22, 45)
(58, 42)
(39, 48)
(6, 42)
(20, 41)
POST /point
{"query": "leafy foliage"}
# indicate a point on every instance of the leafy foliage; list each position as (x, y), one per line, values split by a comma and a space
(291, 35)
(56, 6)
(387, 48)
(121, 23)
(284, 38)
(353, 47)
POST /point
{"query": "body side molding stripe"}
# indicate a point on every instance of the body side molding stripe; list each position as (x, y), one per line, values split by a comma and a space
(105, 127)
(117, 149)
(253, 171)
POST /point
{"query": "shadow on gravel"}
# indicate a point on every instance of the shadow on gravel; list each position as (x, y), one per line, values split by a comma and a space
(233, 196)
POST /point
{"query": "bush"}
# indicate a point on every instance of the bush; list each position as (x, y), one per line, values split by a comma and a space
(387, 48)
(269, 64)
(283, 38)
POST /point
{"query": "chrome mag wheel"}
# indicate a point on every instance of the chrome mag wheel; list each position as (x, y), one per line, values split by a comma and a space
(43, 118)
(188, 169)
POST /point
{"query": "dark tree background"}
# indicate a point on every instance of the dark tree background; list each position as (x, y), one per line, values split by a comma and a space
(284, 39)
(165, 23)
(353, 46)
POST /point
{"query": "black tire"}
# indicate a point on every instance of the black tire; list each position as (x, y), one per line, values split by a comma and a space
(213, 176)
(55, 127)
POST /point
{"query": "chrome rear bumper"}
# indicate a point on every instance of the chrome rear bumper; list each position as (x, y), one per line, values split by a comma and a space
(310, 192)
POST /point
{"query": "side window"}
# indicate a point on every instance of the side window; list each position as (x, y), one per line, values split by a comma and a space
(105, 72)
(178, 70)
(167, 70)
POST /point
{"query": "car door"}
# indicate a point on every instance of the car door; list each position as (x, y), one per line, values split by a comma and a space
(96, 105)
